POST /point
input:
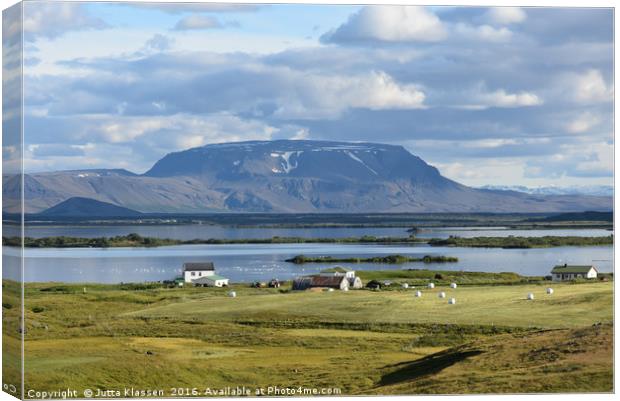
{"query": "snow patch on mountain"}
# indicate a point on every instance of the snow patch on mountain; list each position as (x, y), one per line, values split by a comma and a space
(357, 159)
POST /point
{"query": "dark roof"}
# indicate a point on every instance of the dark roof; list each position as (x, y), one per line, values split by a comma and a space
(572, 269)
(301, 283)
(319, 281)
(197, 266)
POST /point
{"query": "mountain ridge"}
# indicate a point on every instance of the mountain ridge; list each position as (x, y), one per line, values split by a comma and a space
(290, 176)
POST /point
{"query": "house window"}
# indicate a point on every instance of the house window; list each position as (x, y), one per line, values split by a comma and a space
(193, 273)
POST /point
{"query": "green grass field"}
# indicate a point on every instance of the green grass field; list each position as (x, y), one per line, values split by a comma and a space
(361, 342)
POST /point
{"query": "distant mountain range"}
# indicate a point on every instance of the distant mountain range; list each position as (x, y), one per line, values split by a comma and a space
(286, 176)
(86, 207)
(592, 190)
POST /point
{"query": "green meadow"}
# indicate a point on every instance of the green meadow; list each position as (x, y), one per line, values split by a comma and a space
(493, 340)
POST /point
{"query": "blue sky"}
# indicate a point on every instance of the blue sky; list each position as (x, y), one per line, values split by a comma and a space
(519, 96)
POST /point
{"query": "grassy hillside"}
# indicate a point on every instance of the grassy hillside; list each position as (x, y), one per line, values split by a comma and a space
(362, 342)
(569, 306)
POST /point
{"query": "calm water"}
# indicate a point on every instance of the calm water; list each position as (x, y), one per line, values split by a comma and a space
(187, 232)
(247, 262)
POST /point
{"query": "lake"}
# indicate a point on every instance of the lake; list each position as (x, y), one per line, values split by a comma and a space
(249, 262)
(205, 231)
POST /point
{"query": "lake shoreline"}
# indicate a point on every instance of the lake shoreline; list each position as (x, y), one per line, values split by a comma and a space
(138, 241)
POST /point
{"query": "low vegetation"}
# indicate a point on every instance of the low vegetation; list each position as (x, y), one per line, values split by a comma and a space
(521, 242)
(389, 259)
(136, 240)
(421, 277)
(361, 342)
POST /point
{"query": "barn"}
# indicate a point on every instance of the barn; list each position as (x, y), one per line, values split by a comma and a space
(340, 271)
(567, 272)
(212, 280)
(335, 282)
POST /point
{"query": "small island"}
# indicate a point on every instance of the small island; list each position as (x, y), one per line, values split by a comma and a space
(389, 259)
(521, 242)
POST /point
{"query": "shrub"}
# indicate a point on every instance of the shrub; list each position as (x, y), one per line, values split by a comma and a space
(38, 309)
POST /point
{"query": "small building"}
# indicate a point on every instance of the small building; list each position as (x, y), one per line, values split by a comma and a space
(193, 271)
(567, 272)
(355, 282)
(338, 271)
(335, 282)
(211, 281)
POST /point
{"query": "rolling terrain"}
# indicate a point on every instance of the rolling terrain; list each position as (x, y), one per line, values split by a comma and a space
(361, 342)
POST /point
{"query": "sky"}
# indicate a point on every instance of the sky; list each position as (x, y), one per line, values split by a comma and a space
(498, 96)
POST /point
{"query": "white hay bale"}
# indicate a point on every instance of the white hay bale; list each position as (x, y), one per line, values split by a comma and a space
(549, 290)
(232, 294)
(452, 301)
(530, 296)
(442, 294)
(345, 289)
(405, 285)
(418, 294)
(431, 285)
(453, 286)
(330, 290)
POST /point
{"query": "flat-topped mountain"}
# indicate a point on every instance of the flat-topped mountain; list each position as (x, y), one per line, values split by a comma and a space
(291, 176)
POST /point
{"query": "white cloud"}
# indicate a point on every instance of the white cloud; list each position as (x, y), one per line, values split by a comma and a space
(589, 87)
(187, 130)
(583, 123)
(177, 8)
(484, 33)
(317, 96)
(52, 19)
(585, 158)
(390, 24)
(481, 99)
(505, 15)
(195, 22)
(501, 98)
(159, 43)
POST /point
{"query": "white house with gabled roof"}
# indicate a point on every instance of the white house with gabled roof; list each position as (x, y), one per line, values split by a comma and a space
(193, 271)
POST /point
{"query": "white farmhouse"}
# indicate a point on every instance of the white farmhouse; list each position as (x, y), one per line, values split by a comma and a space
(193, 271)
(567, 272)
